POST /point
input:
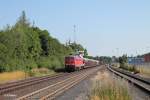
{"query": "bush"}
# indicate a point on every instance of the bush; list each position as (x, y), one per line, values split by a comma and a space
(131, 68)
(49, 62)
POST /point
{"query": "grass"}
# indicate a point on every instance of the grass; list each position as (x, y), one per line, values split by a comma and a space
(10, 76)
(109, 89)
(116, 65)
(41, 72)
(16, 75)
(131, 68)
(144, 70)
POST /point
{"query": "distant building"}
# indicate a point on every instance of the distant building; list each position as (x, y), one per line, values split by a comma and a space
(147, 58)
(135, 60)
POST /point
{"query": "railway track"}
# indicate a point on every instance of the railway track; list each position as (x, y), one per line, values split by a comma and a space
(8, 87)
(137, 80)
(45, 88)
(11, 90)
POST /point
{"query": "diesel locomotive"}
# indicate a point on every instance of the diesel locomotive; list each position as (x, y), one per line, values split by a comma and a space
(77, 62)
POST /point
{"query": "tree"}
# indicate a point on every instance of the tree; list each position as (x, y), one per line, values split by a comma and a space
(85, 52)
(123, 61)
(76, 47)
(22, 22)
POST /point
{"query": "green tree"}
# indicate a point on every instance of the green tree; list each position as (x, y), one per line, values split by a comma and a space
(85, 53)
(76, 47)
(123, 61)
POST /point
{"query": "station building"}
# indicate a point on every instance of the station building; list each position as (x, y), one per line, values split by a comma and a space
(136, 60)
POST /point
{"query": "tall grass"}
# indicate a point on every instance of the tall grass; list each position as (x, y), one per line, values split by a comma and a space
(110, 89)
(144, 70)
(10, 76)
(41, 72)
(16, 75)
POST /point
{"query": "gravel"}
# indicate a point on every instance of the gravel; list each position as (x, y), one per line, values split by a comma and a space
(78, 92)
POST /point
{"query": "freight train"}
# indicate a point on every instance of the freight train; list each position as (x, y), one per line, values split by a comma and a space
(77, 62)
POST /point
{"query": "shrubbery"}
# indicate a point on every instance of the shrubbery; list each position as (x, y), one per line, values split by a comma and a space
(125, 65)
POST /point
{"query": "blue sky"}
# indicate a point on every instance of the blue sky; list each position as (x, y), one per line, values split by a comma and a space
(104, 27)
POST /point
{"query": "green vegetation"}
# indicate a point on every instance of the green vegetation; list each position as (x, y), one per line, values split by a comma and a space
(76, 47)
(102, 59)
(123, 61)
(105, 59)
(25, 47)
(124, 65)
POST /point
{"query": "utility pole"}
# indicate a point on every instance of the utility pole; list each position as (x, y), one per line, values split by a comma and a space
(33, 23)
(117, 49)
(74, 30)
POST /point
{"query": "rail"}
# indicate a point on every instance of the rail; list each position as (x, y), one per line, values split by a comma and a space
(137, 80)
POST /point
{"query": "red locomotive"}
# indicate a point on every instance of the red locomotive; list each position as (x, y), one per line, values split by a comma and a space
(74, 62)
(77, 62)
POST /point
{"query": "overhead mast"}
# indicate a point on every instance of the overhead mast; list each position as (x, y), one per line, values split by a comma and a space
(75, 41)
(74, 30)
